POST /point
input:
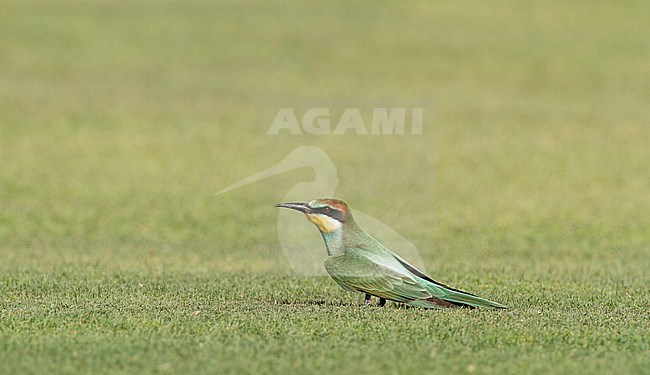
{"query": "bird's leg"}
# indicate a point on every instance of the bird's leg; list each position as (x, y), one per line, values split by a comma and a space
(366, 301)
(382, 302)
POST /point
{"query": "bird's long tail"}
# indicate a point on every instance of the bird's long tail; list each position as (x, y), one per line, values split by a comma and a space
(458, 297)
(445, 296)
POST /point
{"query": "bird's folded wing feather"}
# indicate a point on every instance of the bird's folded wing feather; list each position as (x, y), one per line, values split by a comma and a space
(369, 273)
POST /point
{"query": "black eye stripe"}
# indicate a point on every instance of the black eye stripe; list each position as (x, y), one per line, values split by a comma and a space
(331, 212)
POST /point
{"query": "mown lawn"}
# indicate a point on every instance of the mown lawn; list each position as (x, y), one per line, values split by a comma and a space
(529, 185)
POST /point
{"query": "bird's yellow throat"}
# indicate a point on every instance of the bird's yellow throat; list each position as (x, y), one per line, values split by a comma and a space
(324, 223)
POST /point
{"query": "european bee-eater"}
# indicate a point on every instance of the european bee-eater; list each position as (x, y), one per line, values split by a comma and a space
(359, 263)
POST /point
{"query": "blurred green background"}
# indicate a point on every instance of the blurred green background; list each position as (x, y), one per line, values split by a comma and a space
(119, 121)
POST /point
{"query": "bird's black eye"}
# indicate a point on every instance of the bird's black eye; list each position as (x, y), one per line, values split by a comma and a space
(326, 210)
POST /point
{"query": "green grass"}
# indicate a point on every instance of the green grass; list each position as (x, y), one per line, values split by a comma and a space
(529, 186)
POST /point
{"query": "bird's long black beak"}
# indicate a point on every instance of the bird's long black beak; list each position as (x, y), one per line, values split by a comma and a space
(302, 207)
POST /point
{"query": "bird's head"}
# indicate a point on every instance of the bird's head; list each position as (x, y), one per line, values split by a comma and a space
(327, 214)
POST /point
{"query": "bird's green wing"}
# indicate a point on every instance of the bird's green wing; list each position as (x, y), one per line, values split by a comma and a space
(359, 271)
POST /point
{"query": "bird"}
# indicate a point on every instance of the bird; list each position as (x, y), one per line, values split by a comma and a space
(360, 263)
